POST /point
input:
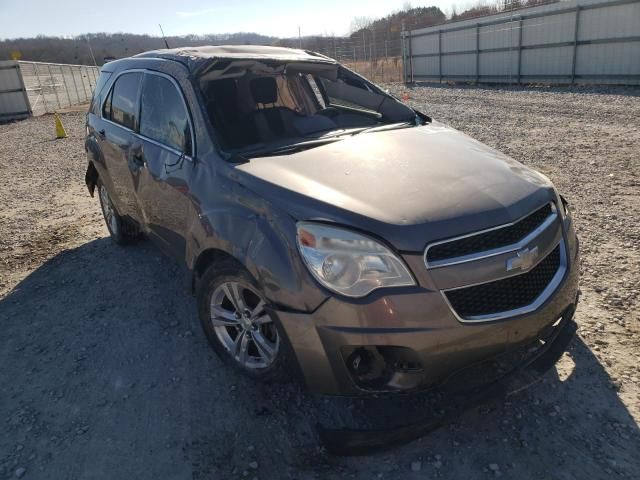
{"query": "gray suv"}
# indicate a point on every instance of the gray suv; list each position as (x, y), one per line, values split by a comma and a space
(324, 225)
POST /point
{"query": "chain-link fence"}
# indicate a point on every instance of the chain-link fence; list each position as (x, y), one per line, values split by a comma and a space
(52, 86)
(376, 55)
(378, 60)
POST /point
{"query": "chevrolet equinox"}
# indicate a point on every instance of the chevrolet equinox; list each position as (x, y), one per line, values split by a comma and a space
(322, 223)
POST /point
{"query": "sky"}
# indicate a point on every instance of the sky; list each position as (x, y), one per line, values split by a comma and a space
(281, 18)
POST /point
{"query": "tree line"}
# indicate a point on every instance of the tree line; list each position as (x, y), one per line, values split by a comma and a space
(369, 38)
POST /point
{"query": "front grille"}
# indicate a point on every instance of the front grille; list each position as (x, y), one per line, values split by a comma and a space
(497, 238)
(506, 294)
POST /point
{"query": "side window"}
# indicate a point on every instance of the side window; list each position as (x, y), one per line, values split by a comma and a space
(350, 93)
(120, 106)
(163, 116)
(96, 98)
(106, 110)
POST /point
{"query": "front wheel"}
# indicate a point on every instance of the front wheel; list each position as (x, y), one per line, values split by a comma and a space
(238, 326)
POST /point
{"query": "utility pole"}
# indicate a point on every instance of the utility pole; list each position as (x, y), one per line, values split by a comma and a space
(372, 47)
(364, 46)
(299, 38)
(403, 51)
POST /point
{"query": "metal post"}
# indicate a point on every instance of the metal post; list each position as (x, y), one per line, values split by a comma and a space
(440, 54)
(94, 74)
(44, 97)
(477, 53)
(88, 82)
(75, 84)
(84, 86)
(519, 49)
(24, 89)
(403, 51)
(66, 88)
(575, 46)
(53, 85)
(373, 54)
(410, 57)
(364, 47)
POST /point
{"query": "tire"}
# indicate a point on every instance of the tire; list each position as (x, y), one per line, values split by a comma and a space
(122, 232)
(244, 340)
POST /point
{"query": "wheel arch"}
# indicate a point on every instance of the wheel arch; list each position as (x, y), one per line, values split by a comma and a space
(264, 247)
(206, 259)
(95, 165)
(91, 178)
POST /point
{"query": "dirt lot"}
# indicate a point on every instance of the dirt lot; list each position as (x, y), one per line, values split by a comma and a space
(104, 372)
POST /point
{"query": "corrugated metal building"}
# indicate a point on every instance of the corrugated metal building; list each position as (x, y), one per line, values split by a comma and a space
(577, 41)
(14, 104)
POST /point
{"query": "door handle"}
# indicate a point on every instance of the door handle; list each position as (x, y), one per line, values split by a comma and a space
(102, 132)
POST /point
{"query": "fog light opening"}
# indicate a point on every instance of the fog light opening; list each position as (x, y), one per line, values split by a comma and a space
(383, 367)
(361, 362)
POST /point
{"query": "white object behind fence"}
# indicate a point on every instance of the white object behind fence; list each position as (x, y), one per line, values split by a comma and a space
(36, 88)
(14, 103)
(52, 86)
(576, 41)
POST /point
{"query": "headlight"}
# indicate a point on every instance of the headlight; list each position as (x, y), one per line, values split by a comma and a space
(349, 263)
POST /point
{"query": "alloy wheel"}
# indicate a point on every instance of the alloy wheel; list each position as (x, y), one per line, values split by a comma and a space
(243, 326)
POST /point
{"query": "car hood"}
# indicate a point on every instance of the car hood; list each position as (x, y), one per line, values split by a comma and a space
(410, 186)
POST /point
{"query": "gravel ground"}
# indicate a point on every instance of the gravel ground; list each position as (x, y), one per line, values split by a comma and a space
(106, 374)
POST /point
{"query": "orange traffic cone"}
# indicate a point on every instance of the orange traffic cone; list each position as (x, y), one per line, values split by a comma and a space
(60, 131)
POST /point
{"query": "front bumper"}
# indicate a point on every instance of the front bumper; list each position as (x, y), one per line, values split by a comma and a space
(417, 414)
(413, 333)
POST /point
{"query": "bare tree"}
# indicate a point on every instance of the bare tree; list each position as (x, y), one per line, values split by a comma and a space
(360, 23)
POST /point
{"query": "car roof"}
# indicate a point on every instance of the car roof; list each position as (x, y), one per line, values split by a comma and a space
(193, 57)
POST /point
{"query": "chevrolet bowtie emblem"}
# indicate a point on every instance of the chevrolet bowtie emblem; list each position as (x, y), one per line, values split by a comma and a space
(524, 259)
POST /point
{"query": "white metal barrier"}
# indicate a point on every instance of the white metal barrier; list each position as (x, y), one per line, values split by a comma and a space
(14, 104)
(52, 86)
(575, 41)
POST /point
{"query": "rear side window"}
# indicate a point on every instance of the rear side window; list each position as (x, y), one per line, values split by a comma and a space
(96, 99)
(163, 116)
(120, 107)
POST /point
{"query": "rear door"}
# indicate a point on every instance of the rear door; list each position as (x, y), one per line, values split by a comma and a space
(166, 147)
(116, 138)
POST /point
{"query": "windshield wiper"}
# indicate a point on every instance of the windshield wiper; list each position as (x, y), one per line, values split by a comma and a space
(266, 151)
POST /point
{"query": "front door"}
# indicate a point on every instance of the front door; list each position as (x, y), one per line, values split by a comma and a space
(165, 146)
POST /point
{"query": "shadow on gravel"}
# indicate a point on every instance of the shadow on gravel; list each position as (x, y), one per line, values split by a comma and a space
(106, 374)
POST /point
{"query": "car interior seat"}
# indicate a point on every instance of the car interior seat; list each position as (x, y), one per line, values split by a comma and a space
(271, 122)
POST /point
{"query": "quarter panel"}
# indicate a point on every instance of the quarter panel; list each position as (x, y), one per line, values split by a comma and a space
(233, 219)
